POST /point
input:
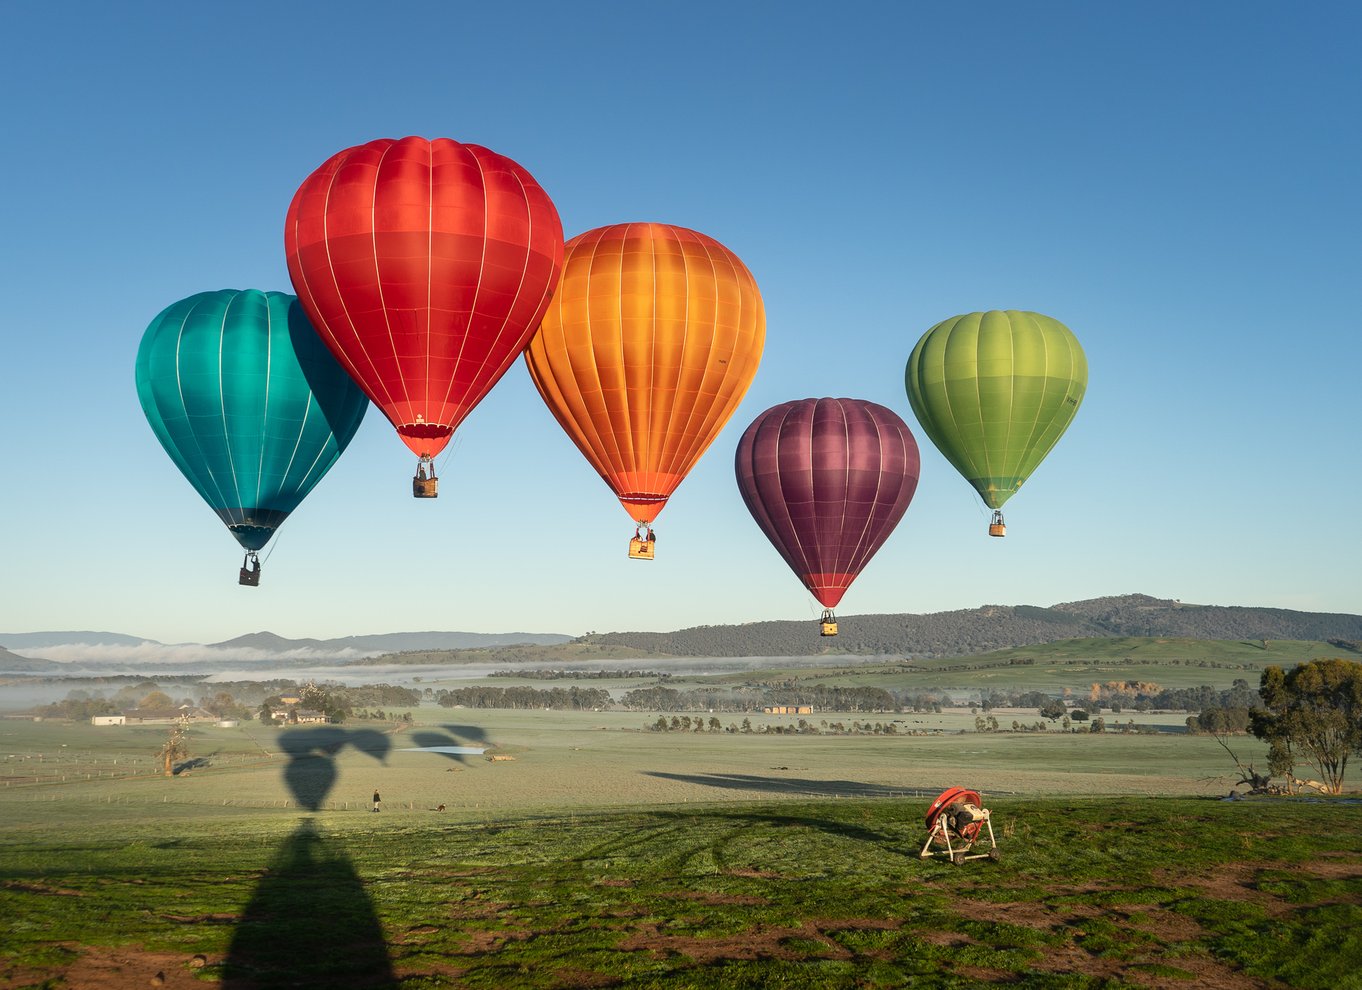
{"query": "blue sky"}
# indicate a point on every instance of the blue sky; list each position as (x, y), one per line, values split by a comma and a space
(1178, 183)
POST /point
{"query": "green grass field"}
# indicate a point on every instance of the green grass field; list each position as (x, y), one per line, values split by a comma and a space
(600, 855)
(800, 893)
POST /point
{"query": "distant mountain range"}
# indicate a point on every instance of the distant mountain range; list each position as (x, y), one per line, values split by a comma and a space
(994, 627)
(381, 643)
(390, 642)
(958, 633)
(41, 652)
(39, 640)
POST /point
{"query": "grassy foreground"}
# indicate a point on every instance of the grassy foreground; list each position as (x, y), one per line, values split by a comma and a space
(1125, 891)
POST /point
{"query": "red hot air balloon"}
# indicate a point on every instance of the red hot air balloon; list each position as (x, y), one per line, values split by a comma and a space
(425, 265)
(827, 480)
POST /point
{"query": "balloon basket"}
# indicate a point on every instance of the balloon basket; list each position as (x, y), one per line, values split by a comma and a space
(250, 571)
(423, 485)
(996, 527)
(827, 626)
(643, 545)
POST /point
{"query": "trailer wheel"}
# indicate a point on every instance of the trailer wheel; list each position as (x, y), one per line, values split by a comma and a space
(959, 859)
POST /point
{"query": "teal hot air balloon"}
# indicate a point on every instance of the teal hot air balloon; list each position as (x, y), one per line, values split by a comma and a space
(248, 403)
(995, 391)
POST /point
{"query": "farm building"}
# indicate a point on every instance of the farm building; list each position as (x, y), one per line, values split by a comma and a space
(297, 716)
(108, 720)
(788, 710)
(165, 716)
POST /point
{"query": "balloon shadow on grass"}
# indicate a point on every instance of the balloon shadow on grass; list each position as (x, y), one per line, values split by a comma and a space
(840, 829)
(456, 742)
(784, 785)
(310, 922)
(311, 770)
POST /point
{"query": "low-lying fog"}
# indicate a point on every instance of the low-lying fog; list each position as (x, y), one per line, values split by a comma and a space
(21, 692)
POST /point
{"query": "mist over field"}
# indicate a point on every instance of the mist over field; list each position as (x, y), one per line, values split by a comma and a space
(90, 656)
(194, 677)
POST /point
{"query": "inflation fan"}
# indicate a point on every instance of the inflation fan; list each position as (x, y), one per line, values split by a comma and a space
(954, 823)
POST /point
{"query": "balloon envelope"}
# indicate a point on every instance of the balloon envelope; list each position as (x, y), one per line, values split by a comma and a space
(827, 480)
(649, 345)
(425, 265)
(248, 403)
(995, 391)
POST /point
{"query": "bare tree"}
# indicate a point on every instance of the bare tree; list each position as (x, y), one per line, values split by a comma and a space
(1259, 783)
(176, 746)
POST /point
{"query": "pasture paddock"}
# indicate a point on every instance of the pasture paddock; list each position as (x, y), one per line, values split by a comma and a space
(581, 761)
(605, 855)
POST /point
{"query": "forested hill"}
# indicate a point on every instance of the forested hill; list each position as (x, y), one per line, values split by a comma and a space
(993, 627)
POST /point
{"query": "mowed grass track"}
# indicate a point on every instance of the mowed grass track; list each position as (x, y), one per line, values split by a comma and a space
(796, 893)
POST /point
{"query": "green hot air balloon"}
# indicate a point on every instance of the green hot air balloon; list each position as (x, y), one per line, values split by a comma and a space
(995, 391)
(248, 403)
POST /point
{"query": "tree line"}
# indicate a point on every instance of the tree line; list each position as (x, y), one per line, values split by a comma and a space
(523, 697)
(578, 675)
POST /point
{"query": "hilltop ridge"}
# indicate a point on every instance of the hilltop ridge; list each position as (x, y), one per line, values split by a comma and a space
(964, 632)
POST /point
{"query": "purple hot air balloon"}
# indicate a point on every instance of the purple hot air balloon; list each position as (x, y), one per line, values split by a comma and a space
(827, 480)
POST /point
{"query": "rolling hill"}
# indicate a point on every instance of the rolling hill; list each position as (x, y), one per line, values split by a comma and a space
(966, 632)
(959, 633)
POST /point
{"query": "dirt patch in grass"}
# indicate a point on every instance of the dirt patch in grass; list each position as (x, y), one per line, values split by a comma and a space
(1030, 914)
(584, 978)
(949, 940)
(482, 941)
(1160, 923)
(981, 975)
(1234, 882)
(1333, 866)
(754, 874)
(121, 968)
(1240, 882)
(203, 919)
(711, 897)
(40, 888)
(762, 942)
(1153, 967)
(416, 935)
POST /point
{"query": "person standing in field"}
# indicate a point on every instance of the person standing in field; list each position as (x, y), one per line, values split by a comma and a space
(376, 800)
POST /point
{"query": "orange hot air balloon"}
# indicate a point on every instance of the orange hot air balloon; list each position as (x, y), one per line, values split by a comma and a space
(647, 348)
